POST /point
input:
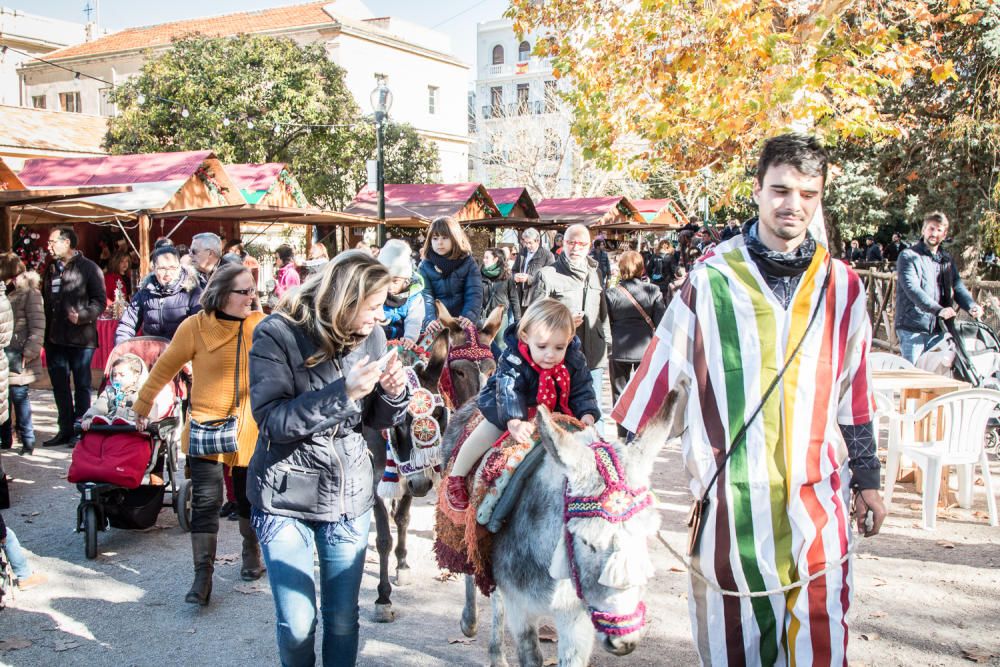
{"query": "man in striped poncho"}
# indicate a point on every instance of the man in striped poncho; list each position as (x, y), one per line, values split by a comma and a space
(779, 511)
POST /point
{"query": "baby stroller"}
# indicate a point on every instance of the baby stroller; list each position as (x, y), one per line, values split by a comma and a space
(968, 350)
(124, 474)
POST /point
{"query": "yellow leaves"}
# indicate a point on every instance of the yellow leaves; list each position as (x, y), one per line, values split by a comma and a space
(971, 18)
(941, 72)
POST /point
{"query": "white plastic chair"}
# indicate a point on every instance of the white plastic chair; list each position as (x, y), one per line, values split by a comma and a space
(961, 417)
(885, 409)
(883, 361)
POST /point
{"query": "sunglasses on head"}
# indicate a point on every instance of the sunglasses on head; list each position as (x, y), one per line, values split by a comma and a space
(245, 292)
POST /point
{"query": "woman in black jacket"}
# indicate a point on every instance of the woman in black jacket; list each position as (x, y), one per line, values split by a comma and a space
(318, 370)
(634, 309)
(499, 289)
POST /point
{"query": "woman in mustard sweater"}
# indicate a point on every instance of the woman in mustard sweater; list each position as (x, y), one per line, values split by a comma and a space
(209, 341)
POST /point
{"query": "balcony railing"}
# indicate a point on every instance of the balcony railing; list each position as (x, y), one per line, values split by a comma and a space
(533, 65)
(529, 108)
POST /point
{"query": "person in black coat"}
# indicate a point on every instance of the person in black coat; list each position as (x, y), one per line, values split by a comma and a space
(661, 267)
(74, 296)
(499, 289)
(600, 255)
(634, 309)
(873, 251)
(165, 298)
(450, 274)
(895, 249)
(532, 258)
(315, 378)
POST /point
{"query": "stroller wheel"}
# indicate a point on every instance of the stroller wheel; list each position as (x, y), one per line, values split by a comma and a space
(182, 505)
(993, 441)
(90, 531)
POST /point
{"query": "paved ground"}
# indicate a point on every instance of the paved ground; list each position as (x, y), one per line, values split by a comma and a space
(922, 598)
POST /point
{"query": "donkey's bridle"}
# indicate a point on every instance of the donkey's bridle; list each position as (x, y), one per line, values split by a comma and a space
(471, 350)
(618, 503)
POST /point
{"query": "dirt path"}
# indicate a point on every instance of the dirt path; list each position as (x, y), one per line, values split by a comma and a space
(921, 597)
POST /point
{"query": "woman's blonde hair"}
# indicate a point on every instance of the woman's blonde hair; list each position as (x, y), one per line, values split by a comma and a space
(548, 314)
(448, 226)
(328, 302)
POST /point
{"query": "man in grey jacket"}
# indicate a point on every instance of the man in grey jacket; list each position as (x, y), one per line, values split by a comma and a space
(928, 287)
(574, 281)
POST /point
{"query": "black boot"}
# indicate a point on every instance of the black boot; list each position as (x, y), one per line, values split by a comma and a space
(253, 562)
(203, 549)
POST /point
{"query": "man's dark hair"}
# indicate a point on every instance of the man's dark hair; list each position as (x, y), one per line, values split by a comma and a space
(67, 234)
(802, 151)
(161, 242)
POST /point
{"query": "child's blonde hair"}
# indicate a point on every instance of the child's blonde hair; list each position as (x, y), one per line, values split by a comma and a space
(548, 314)
(134, 362)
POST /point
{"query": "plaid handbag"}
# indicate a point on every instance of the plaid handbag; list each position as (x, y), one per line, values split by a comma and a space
(218, 436)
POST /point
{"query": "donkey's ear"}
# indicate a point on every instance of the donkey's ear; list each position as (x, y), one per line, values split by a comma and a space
(430, 374)
(446, 319)
(491, 326)
(667, 424)
(562, 445)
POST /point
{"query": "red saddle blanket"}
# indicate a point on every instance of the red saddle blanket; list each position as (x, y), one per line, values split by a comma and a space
(113, 458)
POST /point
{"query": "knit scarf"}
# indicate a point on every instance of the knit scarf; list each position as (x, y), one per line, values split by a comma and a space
(492, 271)
(552, 382)
(445, 265)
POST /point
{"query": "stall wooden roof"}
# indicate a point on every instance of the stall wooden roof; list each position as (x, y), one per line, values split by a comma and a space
(588, 211)
(661, 212)
(264, 213)
(271, 184)
(159, 181)
(421, 203)
(508, 199)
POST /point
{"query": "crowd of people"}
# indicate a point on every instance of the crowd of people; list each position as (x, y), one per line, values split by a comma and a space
(276, 402)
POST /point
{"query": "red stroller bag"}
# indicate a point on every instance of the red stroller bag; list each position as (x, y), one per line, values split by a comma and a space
(113, 458)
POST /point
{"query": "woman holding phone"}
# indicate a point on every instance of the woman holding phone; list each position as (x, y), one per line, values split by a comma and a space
(318, 370)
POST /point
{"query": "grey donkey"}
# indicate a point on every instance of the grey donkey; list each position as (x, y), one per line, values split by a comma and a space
(467, 377)
(587, 573)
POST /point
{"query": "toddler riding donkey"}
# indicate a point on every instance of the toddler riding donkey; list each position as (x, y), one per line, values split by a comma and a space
(543, 364)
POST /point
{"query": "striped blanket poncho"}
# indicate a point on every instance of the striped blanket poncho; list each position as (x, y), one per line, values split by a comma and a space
(780, 509)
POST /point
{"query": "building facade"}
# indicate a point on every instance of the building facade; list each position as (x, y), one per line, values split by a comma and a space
(428, 84)
(24, 37)
(522, 131)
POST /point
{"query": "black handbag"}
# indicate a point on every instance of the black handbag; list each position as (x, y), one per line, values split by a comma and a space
(15, 360)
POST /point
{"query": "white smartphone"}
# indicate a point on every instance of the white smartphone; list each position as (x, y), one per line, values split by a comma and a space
(386, 358)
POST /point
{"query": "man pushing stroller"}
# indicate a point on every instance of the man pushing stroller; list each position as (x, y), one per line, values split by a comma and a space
(928, 288)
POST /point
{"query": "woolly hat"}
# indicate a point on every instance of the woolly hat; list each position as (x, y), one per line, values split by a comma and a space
(395, 256)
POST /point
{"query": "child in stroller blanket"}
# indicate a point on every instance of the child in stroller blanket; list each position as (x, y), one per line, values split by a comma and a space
(114, 405)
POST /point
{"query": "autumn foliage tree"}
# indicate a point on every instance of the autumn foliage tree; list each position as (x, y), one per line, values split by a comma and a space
(702, 83)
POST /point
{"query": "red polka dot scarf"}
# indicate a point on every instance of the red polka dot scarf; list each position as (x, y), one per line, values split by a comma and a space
(553, 383)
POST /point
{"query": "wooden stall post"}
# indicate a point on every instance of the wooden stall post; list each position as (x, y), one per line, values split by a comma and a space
(144, 244)
(6, 230)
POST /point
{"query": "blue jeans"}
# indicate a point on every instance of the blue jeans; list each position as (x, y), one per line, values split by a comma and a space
(20, 412)
(15, 555)
(912, 344)
(65, 361)
(597, 375)
(288, 546)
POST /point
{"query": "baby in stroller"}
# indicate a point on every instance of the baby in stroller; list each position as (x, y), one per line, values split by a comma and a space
(114, 418)
(113, 406)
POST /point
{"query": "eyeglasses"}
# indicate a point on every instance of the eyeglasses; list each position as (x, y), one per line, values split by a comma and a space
(245, 292)
(577, 244)
(167, 269)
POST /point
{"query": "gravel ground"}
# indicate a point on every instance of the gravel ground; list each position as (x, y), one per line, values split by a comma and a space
(922, 598)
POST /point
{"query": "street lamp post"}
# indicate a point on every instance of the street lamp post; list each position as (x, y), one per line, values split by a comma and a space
(381, 99)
